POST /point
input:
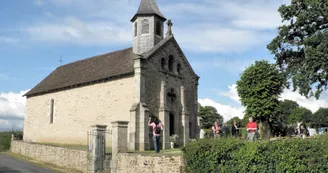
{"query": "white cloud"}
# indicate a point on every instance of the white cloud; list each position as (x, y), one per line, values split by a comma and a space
(232, 94)
(48, 14)
(38, 2)
(229, 111)
(226, 111)
(218, 39)
(9, 40)
(73, 30)
(254, 14)
(210, 26)
(311, 103)
(12, 108)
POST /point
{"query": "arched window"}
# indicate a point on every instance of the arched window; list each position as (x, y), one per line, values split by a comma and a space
(179, 68)
(145, 26)
(171, 63)
(158, 28)
(163, 63)
(135, 29)
(52, 111)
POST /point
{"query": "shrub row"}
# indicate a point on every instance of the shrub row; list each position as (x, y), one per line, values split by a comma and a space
(280, 156)
(5, 139)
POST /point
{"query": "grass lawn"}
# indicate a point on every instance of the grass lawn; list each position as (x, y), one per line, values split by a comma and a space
(42, 164)
(168, 152)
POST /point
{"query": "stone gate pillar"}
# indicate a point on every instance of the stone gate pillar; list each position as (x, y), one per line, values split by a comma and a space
(119, 142)
(97, 144)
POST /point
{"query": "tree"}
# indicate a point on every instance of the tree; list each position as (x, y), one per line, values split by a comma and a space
(286, 107)
(301, 47)
(299, 114)
(209, 115)
(259, 88)
(238, 121)
(320, 118)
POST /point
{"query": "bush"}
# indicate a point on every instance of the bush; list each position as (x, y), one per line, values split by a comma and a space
(5, 139)
(233, 155)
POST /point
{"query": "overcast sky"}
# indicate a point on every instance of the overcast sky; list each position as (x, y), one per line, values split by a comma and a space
(219, 37)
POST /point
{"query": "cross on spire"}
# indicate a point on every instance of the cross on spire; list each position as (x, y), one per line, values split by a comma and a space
(60, 61)
(169, 28)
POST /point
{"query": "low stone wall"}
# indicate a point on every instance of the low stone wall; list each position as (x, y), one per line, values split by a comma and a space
(59, 156)
(138, 163)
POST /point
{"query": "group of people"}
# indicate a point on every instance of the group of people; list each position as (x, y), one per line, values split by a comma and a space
(251, 127)
(252, 130)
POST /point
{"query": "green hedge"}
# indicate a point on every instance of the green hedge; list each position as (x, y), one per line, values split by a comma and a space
(281, 156)
(5, 139)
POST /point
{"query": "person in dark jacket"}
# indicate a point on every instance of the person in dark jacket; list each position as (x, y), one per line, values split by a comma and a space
(234, 129)
(225, 130)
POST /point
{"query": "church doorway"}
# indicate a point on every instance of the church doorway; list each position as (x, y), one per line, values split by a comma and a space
(171, 124)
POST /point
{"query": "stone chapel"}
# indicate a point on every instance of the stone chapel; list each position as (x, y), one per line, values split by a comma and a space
(153, 77)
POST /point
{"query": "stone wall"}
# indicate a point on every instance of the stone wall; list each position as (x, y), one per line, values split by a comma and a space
(64, 157)
(138, 163)
(76, 110)
(154, 75)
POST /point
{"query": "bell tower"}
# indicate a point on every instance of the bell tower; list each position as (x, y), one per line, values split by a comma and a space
(148, 26)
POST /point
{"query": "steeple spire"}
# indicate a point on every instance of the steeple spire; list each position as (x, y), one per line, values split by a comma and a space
(148, 7)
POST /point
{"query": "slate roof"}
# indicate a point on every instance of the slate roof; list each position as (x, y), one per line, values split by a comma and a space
(90, 70)
(148, 7)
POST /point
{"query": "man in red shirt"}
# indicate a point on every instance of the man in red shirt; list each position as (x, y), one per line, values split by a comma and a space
(251, 129)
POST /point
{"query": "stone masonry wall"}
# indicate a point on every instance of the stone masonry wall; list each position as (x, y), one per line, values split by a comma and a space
(76, 110)
(138, 163)
(59, 156)
(154, 75)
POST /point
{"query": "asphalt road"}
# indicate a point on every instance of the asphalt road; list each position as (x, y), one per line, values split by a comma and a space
(11, 165)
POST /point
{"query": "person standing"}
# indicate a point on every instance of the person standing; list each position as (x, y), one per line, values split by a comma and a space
(216, 130)
(234, 129)
(251, 129)
(157, 129)
(202, 133)
(225, 130)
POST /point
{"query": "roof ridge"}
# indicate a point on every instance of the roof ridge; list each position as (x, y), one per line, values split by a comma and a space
(95, 56)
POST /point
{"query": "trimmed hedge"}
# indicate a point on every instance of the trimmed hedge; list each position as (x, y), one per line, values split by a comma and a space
(5, 139)
(280, 156)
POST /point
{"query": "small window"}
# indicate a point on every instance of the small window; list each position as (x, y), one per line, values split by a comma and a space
(52, 111)
(145, 26)
(179, 68)
(163, 63)
(135, 29)
(171, 96)
(171, 63)
(158, 28)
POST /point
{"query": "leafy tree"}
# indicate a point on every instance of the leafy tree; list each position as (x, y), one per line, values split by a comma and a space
(244, 121)
(299, 114)
(238, 121)
(320, 118)
(259, 88)
(301, 47)
(286, 107)
(209, 115)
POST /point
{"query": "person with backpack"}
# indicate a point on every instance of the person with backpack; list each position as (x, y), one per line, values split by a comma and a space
(157, 129)
(216, 130)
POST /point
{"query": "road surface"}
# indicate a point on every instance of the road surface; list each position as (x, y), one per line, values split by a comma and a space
(9, 164)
